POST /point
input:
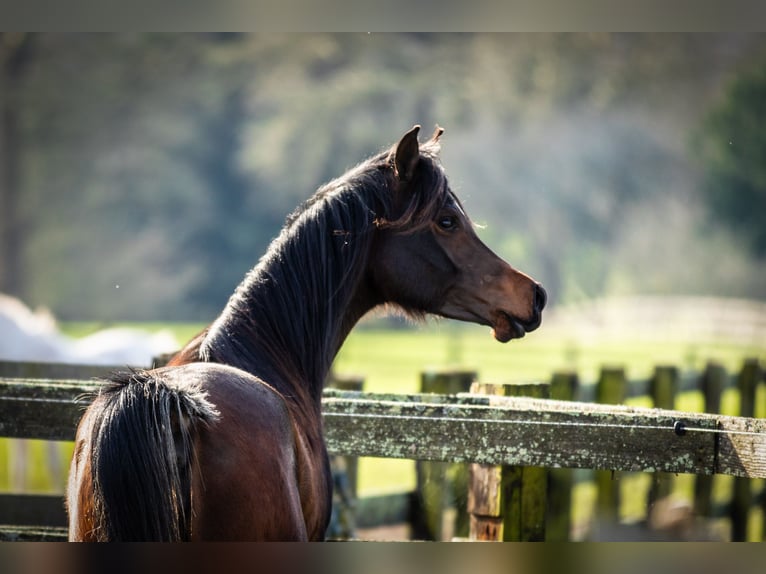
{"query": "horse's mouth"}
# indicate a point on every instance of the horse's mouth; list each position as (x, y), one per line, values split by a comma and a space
(506, 327)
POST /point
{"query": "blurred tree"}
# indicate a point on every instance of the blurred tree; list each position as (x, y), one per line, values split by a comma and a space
(732, 147)
(16, 52)
(131, 153)
(164, 164)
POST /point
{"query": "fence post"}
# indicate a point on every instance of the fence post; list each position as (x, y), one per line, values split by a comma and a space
(711, 385)
(349, 383)
(485, 489)
(611, 388)
(662, 388)
(560, 480)
(442, 486)
(344, 474)
(759, 412)
(508, 502)
(524, 487)
(747, 381)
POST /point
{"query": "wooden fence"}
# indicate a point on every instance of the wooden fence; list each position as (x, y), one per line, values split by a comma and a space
(736, 507)
(512, 455)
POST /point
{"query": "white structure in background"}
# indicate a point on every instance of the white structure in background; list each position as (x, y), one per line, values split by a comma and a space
(660, 318)
(27, 335)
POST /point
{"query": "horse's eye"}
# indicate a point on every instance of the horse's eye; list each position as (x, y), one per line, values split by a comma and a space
(448, 222)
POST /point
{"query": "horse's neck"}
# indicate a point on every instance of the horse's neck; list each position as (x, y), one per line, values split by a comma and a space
(284, 328)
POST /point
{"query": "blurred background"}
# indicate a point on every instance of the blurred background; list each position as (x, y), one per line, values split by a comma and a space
(143, 175)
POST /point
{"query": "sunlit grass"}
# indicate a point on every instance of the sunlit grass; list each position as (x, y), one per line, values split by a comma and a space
(392, 360)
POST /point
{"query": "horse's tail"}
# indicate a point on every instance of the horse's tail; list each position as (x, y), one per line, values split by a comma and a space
(142, 457)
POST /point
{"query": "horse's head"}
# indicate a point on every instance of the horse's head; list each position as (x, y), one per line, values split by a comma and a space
(430, 260)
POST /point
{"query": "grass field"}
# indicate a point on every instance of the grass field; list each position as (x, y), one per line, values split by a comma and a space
(391, 360)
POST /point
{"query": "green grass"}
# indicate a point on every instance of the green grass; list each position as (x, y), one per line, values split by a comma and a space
(392, 360)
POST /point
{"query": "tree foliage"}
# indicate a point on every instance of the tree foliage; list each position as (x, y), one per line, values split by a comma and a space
(154, 169)
(733, 149)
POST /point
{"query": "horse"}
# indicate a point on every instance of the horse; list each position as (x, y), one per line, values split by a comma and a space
(225, 442)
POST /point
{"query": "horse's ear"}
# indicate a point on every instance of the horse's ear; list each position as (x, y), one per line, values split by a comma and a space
(437, 133)
(407, 154)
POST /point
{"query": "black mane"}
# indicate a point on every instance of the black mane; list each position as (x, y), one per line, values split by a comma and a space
(289, 316)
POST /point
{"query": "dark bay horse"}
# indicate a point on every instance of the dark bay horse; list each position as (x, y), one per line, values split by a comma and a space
(225, 443)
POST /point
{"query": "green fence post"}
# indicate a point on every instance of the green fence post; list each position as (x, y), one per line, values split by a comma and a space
(747, 381)
(663, 387)
(711, 386)
(560, 480)
(524, 487)
(611, 388)
(345, 470)
(442, 486)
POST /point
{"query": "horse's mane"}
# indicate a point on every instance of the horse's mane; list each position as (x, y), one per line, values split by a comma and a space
(287, 302)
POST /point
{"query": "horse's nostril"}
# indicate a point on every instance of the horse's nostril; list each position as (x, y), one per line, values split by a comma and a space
(541, 298)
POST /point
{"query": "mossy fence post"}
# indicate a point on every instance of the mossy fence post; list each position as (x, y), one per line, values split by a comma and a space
(663, 387)
(611, 388)
(564, 387)
(440, 506)
(747, 382)
(508, 503)
(345, 470)
(711, 385)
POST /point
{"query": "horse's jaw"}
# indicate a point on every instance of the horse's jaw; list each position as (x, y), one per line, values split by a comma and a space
(495, 308)
(505, 327)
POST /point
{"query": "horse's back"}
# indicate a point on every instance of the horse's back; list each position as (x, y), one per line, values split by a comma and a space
(243, 473)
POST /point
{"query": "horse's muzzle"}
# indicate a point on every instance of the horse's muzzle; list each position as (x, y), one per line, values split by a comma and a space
(507, 327)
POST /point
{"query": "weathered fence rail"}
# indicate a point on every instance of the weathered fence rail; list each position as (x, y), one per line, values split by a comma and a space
(543, 432)
(468, 428)
(493, 431)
